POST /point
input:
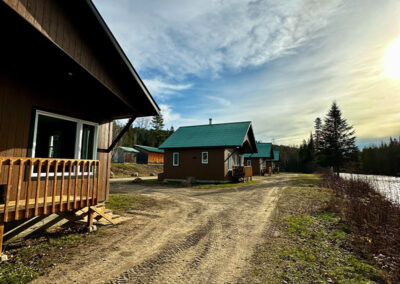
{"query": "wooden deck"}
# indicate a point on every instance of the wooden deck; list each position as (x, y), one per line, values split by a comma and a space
(36, 186)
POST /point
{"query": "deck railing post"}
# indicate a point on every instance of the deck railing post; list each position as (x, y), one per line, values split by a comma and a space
(69, 184)
(38, 188)
(17, 195)
(28, 189)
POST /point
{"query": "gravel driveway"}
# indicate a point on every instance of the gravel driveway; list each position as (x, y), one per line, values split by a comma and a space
(199, 236)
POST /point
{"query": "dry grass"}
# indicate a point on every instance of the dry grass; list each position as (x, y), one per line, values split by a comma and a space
(374, 221)
(126, 170)
(308, 243)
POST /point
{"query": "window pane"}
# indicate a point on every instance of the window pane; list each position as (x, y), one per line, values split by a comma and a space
(175, 158)
(205, 157)
(87, 142)
(55, 138)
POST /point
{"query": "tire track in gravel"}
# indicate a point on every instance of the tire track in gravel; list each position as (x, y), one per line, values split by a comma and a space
(145, 272)
(200, 236)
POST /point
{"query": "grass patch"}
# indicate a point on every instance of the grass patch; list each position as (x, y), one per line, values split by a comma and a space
(119, 203)
(308, 243)
(35, 257)
(226, 185)
(310, 180)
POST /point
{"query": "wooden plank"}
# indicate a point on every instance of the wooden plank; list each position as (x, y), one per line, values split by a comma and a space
(90, 217)
(94, 182)
(8, 190)
(97, 183)
(46, 186)
(21, 165)
(76, 184)
(28, 189)
(69, 185)
(88, 185)
(62, 185)
(82, 183)
(53, 204)
(38, 187)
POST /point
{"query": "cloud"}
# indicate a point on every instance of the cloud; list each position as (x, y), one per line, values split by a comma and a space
(161, 89)
(277, 63)
(220, 100)
(180, 38)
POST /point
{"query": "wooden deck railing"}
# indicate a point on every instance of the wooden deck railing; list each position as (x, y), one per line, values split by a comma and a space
(40, 186)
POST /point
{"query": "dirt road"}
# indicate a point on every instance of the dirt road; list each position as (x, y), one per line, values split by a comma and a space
(200, 236)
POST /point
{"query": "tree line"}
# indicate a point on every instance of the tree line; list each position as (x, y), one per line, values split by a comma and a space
(331, 146)
(143, 132)
(381, 160)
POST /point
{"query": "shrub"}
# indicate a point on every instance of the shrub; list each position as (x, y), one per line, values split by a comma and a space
(374, 221)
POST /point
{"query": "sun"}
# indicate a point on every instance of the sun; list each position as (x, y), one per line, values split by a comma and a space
(392, 60)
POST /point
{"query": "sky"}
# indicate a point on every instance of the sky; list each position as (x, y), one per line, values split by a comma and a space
(279, 64)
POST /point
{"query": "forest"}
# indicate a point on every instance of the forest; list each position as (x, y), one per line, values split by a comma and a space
(143, 132)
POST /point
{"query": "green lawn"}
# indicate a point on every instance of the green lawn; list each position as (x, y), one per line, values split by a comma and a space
(119, 203)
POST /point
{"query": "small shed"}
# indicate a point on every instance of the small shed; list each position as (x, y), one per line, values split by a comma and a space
(125, 155)
(149, 155)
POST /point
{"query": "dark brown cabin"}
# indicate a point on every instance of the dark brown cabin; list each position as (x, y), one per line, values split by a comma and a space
(259, 161)
(63, 80)
(209, 153)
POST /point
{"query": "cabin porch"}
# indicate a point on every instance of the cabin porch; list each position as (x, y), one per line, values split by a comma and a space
(242, 172)
(31, 187)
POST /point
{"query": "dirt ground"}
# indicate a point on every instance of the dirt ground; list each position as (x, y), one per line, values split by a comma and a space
(197, 236)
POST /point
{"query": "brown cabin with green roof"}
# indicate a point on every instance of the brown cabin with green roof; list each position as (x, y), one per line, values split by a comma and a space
(63, 80)
(258, 161)
(209, 153)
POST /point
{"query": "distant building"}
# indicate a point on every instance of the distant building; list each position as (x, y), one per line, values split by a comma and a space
(209, 153)
(274, 162)
(125, 155)
(149, 155)
(258, 161)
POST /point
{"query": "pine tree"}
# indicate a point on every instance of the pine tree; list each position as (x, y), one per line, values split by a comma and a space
(318, 133)
(157, 122)
(338, 140)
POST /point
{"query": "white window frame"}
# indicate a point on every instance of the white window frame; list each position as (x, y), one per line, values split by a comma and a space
(230, 161)
(204, 161)
(173, 159)
(78, 138)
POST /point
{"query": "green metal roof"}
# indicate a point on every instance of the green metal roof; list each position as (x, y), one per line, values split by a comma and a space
(276, 155)
(149, 149)
(210, 135)
(264, 151)
(129, 149)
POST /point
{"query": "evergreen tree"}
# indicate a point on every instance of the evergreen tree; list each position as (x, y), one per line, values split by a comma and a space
(307, 156)
(338, 140)
(157, 122)
(318, 133)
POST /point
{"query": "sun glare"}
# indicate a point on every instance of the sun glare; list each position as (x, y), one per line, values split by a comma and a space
(392, 60)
